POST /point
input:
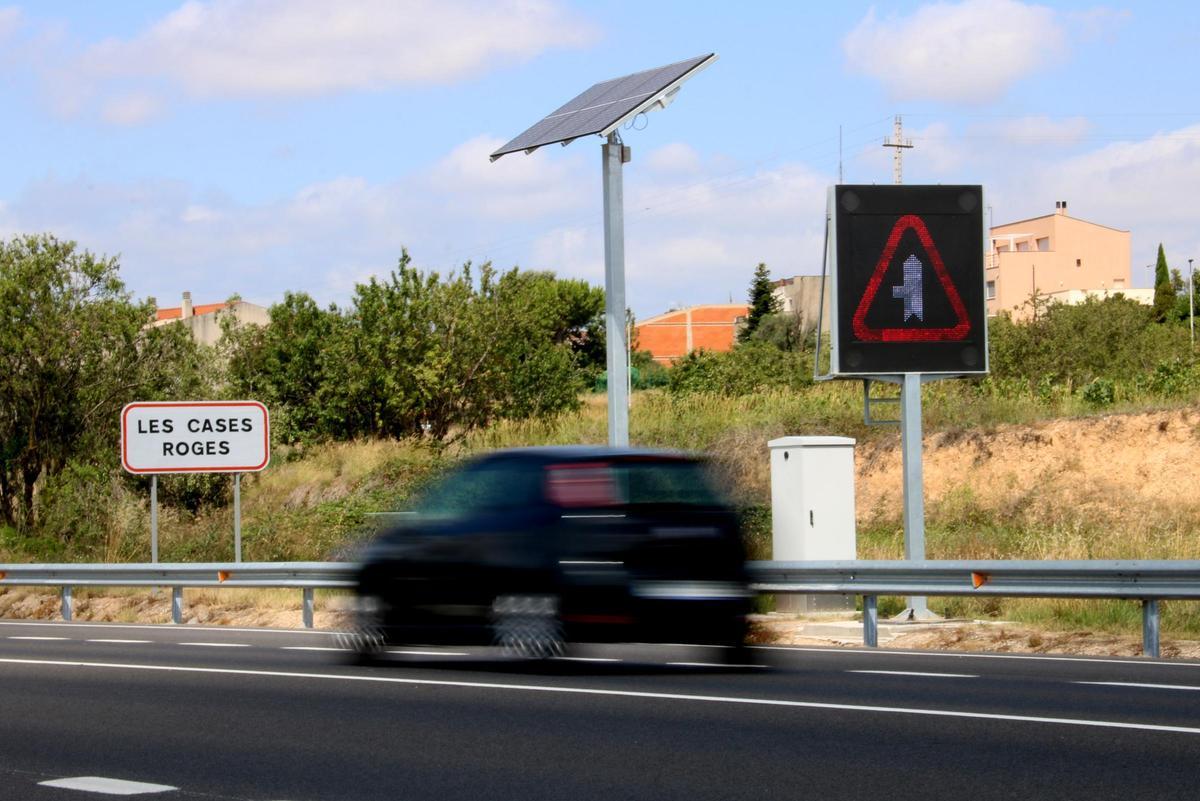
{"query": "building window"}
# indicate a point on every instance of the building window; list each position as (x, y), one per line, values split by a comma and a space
(1043, 243)
(1079, 262)
(1023, 247)
(1001, 248)
(991, 290)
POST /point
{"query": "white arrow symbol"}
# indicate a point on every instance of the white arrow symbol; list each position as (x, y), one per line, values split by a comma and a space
(911, 291)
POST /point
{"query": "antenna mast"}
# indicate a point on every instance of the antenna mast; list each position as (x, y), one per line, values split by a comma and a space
(898, 144)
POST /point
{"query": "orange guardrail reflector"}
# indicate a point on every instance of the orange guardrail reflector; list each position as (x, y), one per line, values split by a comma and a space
(3, 575)
(979, 579)
(222, 575)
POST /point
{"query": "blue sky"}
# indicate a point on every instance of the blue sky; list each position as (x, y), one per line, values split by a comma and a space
(258, 146)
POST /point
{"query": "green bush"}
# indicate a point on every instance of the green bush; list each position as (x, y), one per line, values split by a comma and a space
(1101, 392)
(749, 368)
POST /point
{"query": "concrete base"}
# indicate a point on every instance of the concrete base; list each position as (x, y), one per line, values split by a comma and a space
(792, 604)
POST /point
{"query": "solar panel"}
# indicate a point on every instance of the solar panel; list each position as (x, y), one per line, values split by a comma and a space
(605, 106)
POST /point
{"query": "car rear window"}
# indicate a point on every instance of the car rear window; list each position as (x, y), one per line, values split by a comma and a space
(631, 482)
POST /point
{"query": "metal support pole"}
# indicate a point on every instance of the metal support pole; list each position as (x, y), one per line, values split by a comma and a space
(68, 605)
(870, 621)
(1191, 305)
(154, 518)
(914, 486)
(177, 604)
(614, 155)
(237, 517)
(308, 607)
(1150, 628)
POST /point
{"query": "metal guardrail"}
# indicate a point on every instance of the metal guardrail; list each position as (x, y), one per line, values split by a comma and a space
(1146, 581)
(305, 576)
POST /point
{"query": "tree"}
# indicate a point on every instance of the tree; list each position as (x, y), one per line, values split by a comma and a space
(1164, 289)
(762, 301)
(73, 350)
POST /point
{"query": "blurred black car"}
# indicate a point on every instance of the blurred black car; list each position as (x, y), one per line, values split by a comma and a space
(531, 549)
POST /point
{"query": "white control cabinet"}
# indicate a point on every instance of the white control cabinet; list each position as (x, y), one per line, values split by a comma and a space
(812, 510)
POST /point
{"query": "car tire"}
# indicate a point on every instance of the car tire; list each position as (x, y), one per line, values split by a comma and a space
(366, 639)
(528, 626)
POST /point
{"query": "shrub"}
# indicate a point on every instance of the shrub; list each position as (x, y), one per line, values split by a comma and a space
(1101, 392)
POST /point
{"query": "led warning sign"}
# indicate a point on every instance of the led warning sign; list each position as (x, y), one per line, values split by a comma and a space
(908, 280)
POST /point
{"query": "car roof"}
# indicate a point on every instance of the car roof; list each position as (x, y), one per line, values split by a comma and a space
(584, 453)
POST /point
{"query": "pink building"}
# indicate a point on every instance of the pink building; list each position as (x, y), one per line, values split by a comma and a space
(1062, 258)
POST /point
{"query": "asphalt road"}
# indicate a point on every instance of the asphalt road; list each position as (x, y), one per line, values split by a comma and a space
(262, 714)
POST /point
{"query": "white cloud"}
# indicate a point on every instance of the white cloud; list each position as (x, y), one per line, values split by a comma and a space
(969, 52)
(675, 157)
(134, 108)
(10, 21)
(255, 48)
(1147, 186)
(693, 238)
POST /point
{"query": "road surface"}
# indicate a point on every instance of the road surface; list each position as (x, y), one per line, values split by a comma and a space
(219, 713)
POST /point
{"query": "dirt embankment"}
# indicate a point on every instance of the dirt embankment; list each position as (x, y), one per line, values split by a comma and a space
(1122, 469)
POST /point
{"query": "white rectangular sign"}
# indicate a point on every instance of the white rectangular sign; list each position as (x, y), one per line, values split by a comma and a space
(195, 437)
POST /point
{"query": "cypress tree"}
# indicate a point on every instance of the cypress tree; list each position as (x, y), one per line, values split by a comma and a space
(1164, 289)
(762, 301)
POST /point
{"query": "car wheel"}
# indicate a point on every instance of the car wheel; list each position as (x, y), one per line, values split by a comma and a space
(528, 626)
(366, 639)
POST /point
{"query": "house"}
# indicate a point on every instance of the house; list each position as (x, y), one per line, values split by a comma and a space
(204, 322)
(802, 297)
(1059, 257)
(672, 335)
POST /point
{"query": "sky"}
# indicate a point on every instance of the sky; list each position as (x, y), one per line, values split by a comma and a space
(254, 147)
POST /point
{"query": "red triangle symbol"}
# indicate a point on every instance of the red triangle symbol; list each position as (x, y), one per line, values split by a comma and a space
(955, 332)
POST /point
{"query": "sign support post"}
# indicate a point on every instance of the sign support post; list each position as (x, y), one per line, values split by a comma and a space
(237, 517)
(615, 155)
(154, 517)
(914, 485)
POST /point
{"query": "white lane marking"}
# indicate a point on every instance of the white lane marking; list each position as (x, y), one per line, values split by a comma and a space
(163, 627)
(882, 652)
(310, 648)
(654, 696)
(585, 659)
(39, 638)
(217, 644)
(106, 786)
(918, 673)
(1140, 686)
(712, 664)
(430, 653)
(124, 642)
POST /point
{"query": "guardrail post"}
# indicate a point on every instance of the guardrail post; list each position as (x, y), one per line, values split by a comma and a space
(308, 607)
(68, 606)
(1150, 628)
(870, 621)
(177, 604)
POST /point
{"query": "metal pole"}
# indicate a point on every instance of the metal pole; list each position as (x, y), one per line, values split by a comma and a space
(1191, 306)
(177, 604)
(154, 518)
(307, 613)
(237, 517)
(68, 605)
(1150, 628)
(615, 154)
(870, 621)
(914, 484)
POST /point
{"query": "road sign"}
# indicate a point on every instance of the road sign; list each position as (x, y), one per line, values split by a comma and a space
(195, 437)
(908, 280)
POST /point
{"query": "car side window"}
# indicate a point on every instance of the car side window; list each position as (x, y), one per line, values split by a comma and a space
(489, 487)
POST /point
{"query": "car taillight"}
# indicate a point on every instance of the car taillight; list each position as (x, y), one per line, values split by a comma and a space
(583, 484)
